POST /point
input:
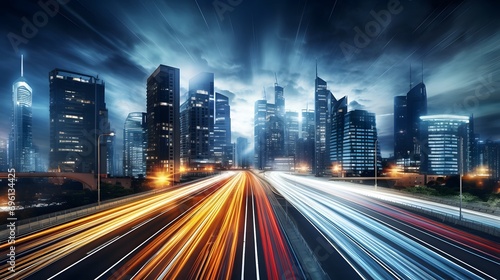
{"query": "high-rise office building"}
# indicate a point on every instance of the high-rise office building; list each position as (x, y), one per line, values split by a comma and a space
(491, 158)
(446, 150)
(20, 138)
(242, 153)
(197, 123)
(322, 100)
(78, 115)
(163, 123)
(3, 156)
(134, 144)
(222, 132)
(291, 132)
(407, 139)
(401, 144)
(260, 117)
(307, 124)
(279, 100)
(360, 144)
(338, 112)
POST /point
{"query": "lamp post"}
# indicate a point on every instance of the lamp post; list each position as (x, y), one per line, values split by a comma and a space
(99, 165)
(375, 152)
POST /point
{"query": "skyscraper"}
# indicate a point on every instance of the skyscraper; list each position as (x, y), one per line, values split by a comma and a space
(222, 132)
(291, 132)
(360, 144)
(242, 153)
(446, 150)
(134, 144)
(322, 98)
(338, 112)
(21, 138)
(401, 144)
(197, 123)
(163, 122)
(279, 100)
(3, 156)
(260, 115)
(407, 139)
(78, 115)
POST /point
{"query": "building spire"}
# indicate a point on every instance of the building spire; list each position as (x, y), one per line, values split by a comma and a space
(265, 95)
(276, 78)
(22, 66)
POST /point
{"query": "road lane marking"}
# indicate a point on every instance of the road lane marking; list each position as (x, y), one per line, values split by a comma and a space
(255, 238)
(103, 245)
(244, 240)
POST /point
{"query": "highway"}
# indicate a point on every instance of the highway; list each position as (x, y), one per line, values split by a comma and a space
(380, 241)
(219, 228)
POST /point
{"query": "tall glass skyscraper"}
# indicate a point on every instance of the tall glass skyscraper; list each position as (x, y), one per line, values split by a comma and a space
(134, 144)
(197, 123)
(163, 122)
(78, 115)
(338, 112)
(260, 116)
(360, 144)
(222, 132)
(21, 139)
(279, 100)
(322, 98)
(291, 133)
(447, 145)
(407, 112)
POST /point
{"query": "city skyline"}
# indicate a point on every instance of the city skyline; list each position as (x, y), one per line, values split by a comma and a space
(252, 44)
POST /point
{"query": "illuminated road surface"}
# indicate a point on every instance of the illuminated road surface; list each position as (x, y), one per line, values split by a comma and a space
(220, 228)
(384, 242)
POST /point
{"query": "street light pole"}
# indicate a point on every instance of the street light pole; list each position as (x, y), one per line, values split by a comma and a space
(99, 165)
(375, 152)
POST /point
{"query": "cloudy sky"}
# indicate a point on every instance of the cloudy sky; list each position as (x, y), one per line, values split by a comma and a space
(364, 50)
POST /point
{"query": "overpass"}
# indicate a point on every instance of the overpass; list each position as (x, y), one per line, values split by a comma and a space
(87, 179)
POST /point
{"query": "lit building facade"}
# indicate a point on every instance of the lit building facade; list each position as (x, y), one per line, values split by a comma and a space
(134, 144)
(3, 156)
(222, 147)
(163, 122)
(260, 151)
(407, 137)
(323, 99)
(338, 112)
(242, 159)
(21, 154)
(360, 144)
(78, 115)
(446, 149)
(197, 123)
(291, 133)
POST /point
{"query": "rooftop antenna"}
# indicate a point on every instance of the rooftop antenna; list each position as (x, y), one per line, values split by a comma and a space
(22, 66)
(276, 78)
(265, 95)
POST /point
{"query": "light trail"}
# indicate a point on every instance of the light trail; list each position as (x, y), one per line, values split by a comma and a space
(40, 249)
(375, 248)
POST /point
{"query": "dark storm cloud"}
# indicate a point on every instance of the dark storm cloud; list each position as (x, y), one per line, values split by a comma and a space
(124, 41)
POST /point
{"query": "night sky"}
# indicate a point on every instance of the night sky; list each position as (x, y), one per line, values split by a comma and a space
(244, 43)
